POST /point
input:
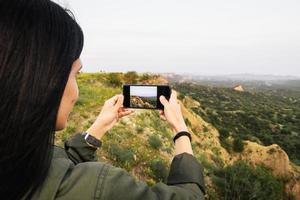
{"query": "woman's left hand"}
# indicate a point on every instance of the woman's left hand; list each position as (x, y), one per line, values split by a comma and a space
(111, 112)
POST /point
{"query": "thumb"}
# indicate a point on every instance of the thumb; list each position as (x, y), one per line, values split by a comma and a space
(163, 100)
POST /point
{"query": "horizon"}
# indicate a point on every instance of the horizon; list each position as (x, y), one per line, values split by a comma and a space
(193, 74)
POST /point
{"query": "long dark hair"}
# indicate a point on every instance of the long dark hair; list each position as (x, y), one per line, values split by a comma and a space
(39, 41)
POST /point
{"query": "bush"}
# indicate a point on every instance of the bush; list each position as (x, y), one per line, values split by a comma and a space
(238, 145)
(145, 77)
(224, 132)
(139, 129)
(114, 80)
(159, 170)
(205, 129)
(131, 77)
(124, 157)
(154, 142)
(241, 181)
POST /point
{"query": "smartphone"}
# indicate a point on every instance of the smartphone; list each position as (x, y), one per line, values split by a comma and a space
(143, 96)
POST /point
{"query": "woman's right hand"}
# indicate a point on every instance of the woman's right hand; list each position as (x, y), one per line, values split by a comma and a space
(172, 113)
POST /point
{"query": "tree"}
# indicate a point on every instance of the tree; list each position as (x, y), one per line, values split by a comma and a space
(131, 77)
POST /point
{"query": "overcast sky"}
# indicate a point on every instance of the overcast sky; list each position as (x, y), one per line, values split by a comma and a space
(196, 36)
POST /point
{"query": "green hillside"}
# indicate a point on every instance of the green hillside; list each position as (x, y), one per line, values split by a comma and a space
(142, 143)
(265, 117)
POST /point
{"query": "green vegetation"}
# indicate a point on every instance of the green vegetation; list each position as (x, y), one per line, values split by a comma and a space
(144, 77)
(241, 181)
(154, 142)
(238, 145)
(131, 77)
(142, 143)
(159, 170)
(268, 117)
(114, 80)
(123, 156)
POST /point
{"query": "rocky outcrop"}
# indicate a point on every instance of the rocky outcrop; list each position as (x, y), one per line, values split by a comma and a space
(239, 88)
(274, 158)
(271, 156)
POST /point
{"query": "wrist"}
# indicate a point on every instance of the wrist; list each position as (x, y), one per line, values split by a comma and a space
(96, 131)
(182, 134)
(180, 127)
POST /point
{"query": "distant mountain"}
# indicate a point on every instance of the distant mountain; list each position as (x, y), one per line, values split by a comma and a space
(229, 77)
(249, 81)
(255, 77)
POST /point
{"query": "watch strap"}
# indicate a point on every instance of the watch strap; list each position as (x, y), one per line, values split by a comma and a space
(91, 140)
(182, 133)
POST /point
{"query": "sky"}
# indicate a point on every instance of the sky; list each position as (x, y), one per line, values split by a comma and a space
(145, 91)
(212, 37)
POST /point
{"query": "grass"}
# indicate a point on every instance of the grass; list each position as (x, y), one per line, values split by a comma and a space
(140, 143)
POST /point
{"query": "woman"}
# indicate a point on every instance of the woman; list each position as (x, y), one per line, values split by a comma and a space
(40, 47)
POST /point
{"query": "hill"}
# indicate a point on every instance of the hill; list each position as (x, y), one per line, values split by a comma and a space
(262, 117)
(142, 143)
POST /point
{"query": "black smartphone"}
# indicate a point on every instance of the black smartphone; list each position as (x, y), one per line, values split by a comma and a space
(145, 96)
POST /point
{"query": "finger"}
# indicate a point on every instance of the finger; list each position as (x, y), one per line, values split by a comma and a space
(119, 101)
(112, 100)
(125, 113)
(163, 100)
(163, 117)
(173, 97)
(125, 109)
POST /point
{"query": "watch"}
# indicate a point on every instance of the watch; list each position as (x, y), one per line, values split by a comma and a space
(91, 140)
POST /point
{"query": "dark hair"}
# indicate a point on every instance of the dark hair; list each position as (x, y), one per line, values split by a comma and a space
(39, 41)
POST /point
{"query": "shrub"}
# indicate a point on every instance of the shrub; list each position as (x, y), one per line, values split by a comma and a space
(114, 80)
(159, 170)
(145, 77)
(154, 142)
(139, 129)
(124, 157)
(241, 181)
(131, 77)
(238, 145)
(205, 129)
(224, 132)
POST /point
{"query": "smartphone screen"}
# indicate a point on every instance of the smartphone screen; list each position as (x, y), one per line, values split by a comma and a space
(144, 96)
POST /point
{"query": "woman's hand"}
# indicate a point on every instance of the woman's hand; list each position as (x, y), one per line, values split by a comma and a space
(111, 112)
(172, 113)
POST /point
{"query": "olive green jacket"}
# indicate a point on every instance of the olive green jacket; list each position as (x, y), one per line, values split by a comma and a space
(75, 174)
